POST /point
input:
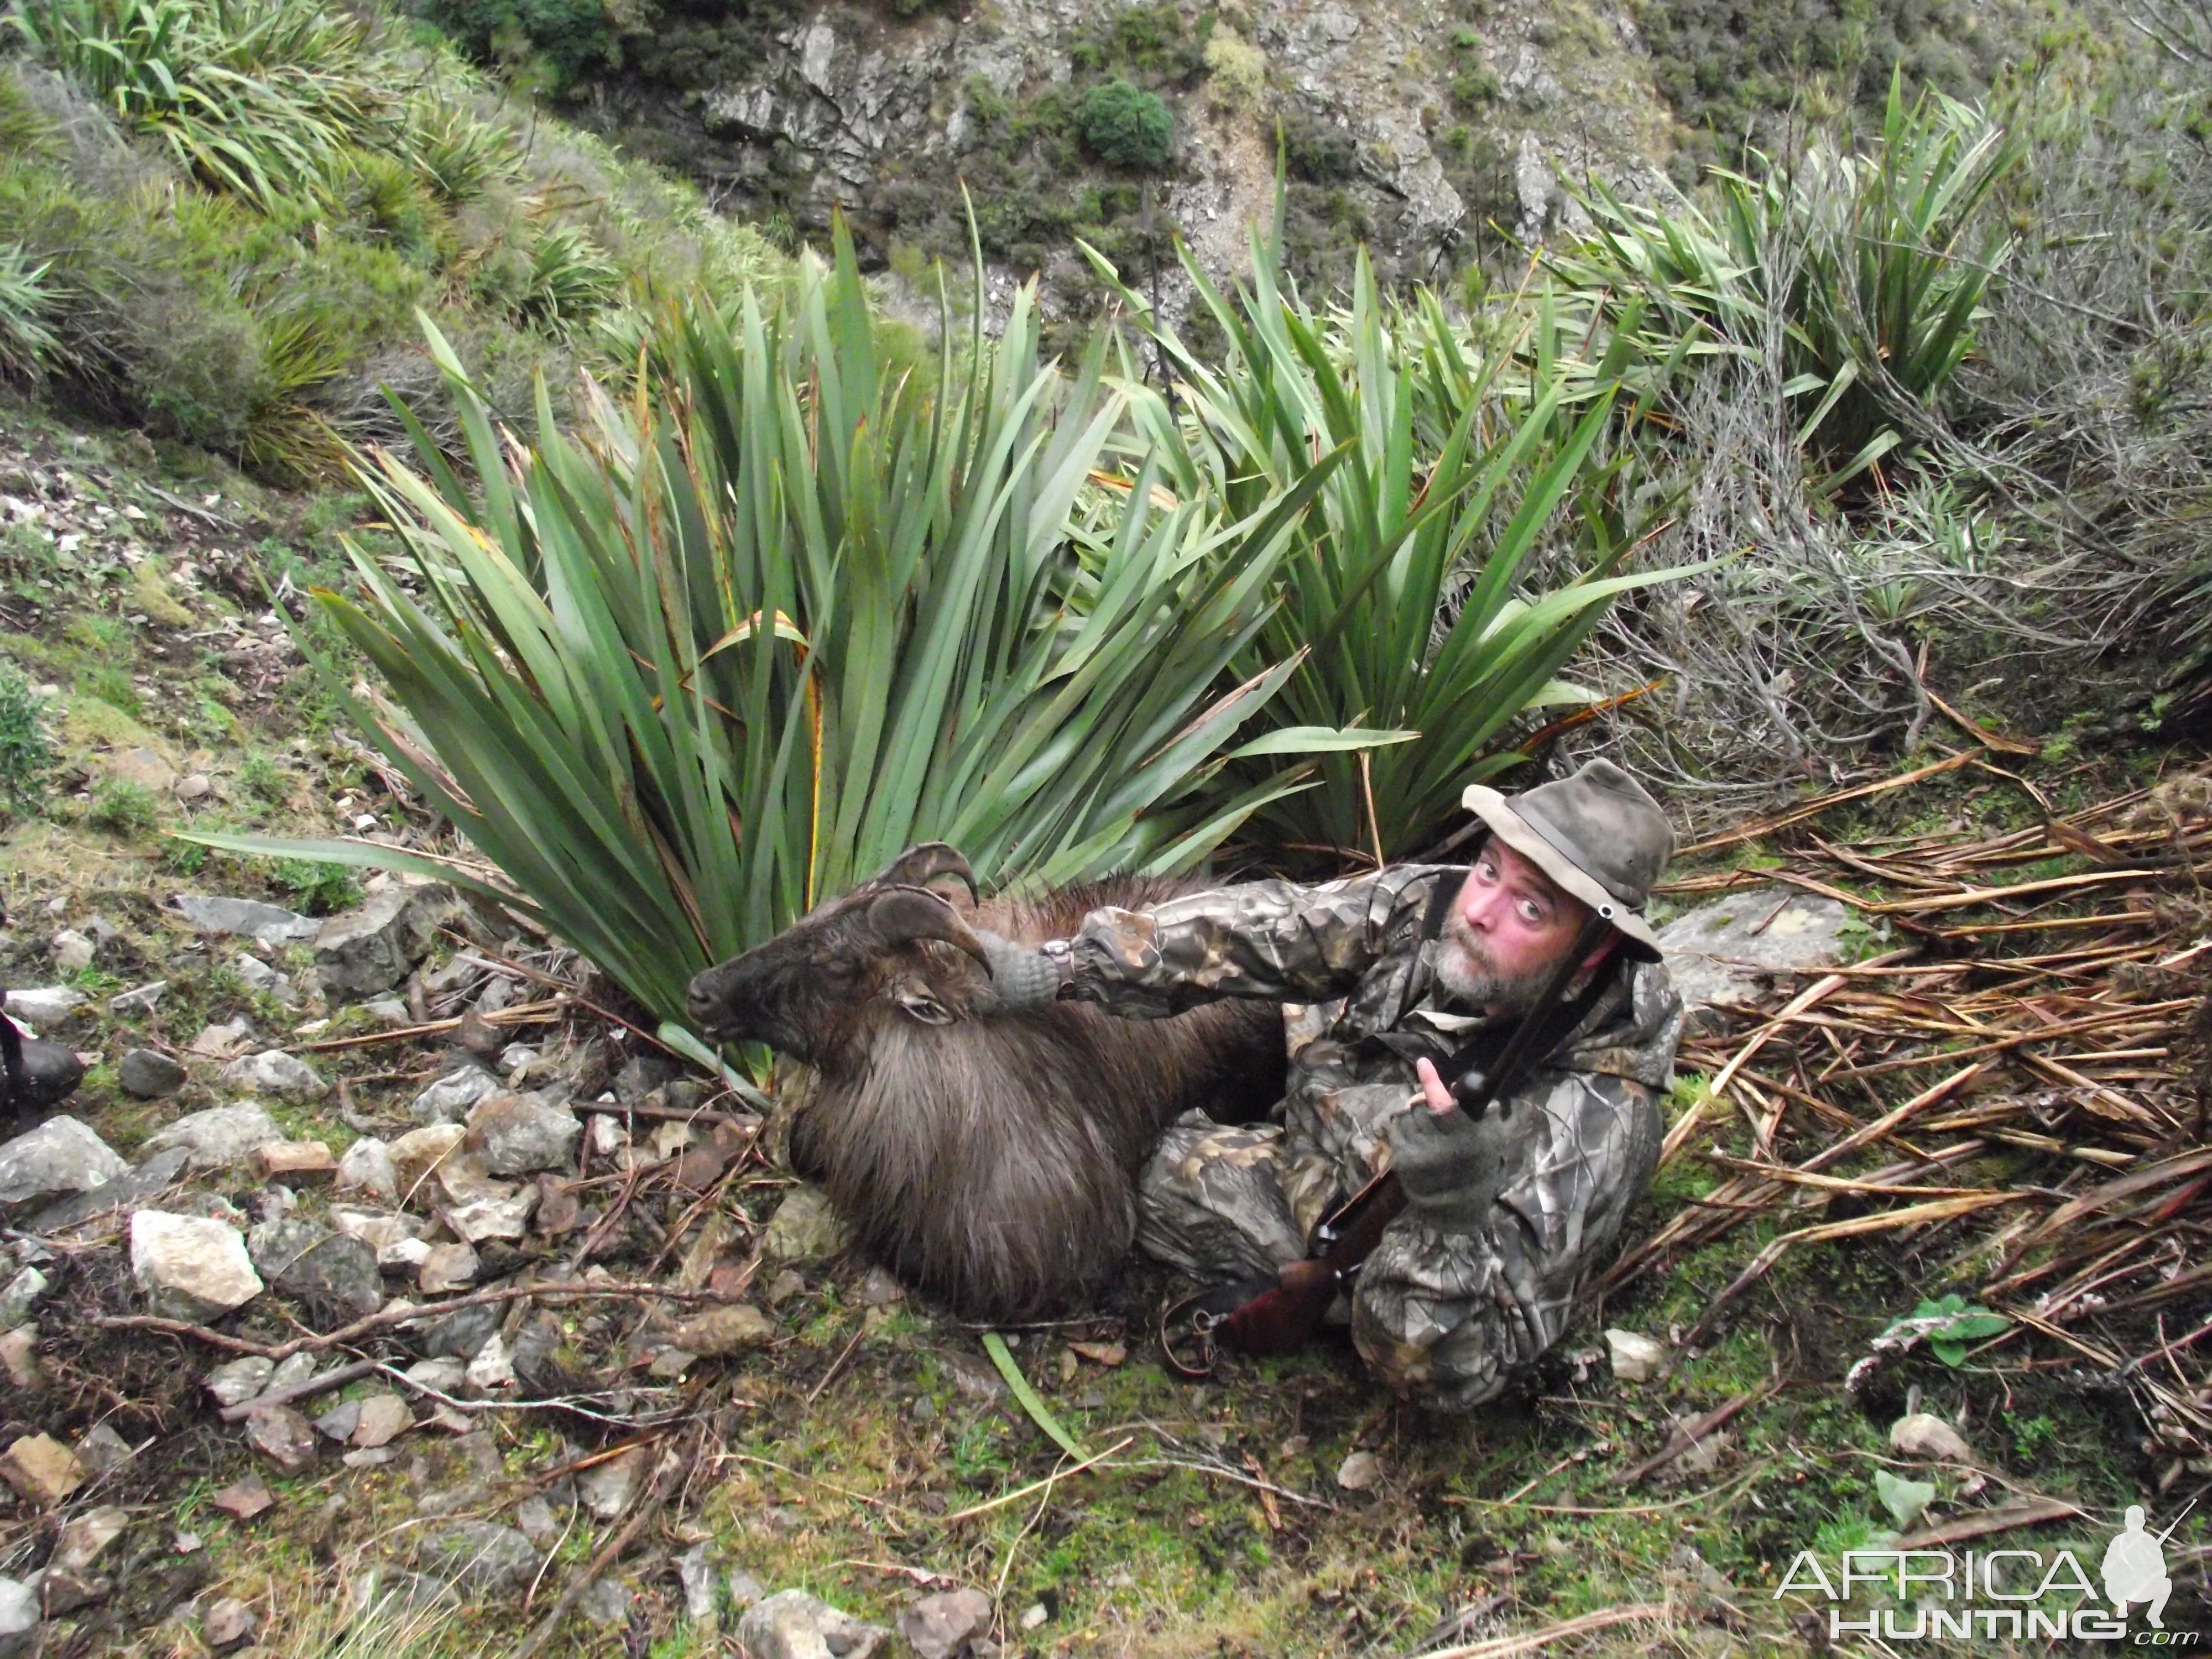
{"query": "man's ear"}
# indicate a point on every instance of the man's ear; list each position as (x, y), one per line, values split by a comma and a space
(1601, 954)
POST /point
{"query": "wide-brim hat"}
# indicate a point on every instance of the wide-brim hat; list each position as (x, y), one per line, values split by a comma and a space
(1597, 834)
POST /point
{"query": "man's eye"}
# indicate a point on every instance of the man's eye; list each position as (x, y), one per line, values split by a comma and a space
(1531, 912)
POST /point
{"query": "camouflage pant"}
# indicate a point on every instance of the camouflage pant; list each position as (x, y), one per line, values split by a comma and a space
(1449, 1319)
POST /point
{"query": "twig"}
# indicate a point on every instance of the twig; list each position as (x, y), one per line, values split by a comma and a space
(389, 1318)
(1506, 1647)
(337, 1378)
(1687, 1435)
(1016, 1496)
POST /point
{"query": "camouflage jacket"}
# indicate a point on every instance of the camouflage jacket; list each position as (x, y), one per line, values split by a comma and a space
(1354, 962)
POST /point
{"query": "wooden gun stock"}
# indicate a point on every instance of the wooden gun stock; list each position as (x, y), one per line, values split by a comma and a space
(1283, 1319)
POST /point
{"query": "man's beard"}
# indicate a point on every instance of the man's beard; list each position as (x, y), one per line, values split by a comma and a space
(1464, 969)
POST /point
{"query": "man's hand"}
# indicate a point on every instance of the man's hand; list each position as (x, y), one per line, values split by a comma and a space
(1451, 1165)
(1022, 980)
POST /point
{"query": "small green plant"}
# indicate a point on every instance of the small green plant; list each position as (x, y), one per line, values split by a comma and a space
(1125, 126)
(122, 807)
(25, 756)
(25, 339)
(316, 888)
(1947, 1326)
(261, 778)
(111, 685)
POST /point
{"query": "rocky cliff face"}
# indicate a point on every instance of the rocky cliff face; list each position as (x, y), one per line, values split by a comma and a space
(1436, 131)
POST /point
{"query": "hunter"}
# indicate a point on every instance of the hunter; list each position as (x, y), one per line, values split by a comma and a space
(1386, 978)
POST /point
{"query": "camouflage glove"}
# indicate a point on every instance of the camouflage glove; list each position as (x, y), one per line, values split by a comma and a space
(1023, 979)
(1452, 1166)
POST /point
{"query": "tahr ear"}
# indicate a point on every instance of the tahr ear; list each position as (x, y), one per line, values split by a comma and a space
(919, 1002)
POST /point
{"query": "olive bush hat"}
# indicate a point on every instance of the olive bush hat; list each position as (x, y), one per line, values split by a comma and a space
(1598, 833)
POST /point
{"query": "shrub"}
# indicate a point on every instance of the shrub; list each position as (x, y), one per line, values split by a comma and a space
(567, 36)
(315, 888)
(25, 339)
(903, 639)
(1463, 472)
(25, 756)
(122, 807)
(258, 97)
(1125, 126)
(1238, 72)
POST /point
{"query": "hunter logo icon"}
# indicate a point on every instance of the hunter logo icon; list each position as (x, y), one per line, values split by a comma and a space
(2134, 1567)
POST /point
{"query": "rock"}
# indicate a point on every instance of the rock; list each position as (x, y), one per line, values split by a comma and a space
(1034, 1615)
(19, 1358)
(273, 1072)
(1635, 1359)
(229, 1623)
(339, 1422)
(194, 785)
(102, 1449)
(493, 1218)
(1717, 960)
(520, 1134)
(879, 1289)
(384, 1418)
(44, 1005)
(448, 1099)
(461, 1333)
(378, 1229)
(191, 1267)
(295, 1162)
(804, 1228)
(1360, 1472)
(793, 1624)
(446, 1268)
(42, 1469)
(1928, 1439)
(605, 1603)
(559, 1210)
(139, 999)
(291, 1372)
(283, 1435)
(62, 1591)
(366, 1167)
(242, 1500)
(942, 1626)
(255, 973)
(19, 1619)
(439, 1376)
(641, 1074)
(265, 924)
(21, 1293)
(537, 1521)
(72, 951)
(516, 1059)
(389, 1012)
(238, 1381)
(149, 1074)
(220, 1137)
(605, 1488)
(419, 1151)
(479, 1035)
(724, 1330)
(60, 1156)
(373, 948)
(492, 1370)
(696, 1574)
(485, 1555)
(127, 1191)
(85, 1536)
(325, 1269)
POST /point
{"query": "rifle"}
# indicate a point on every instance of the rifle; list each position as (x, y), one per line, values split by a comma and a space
(1282, 1318)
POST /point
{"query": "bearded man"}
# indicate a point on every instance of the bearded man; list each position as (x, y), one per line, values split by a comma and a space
(1386, 977)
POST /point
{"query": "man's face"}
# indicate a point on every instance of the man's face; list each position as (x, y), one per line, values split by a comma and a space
(1507, 931)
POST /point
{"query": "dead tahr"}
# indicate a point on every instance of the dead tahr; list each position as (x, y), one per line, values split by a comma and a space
(991, 1161)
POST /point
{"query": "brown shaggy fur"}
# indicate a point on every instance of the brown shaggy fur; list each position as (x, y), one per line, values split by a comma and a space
(990, 1160)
